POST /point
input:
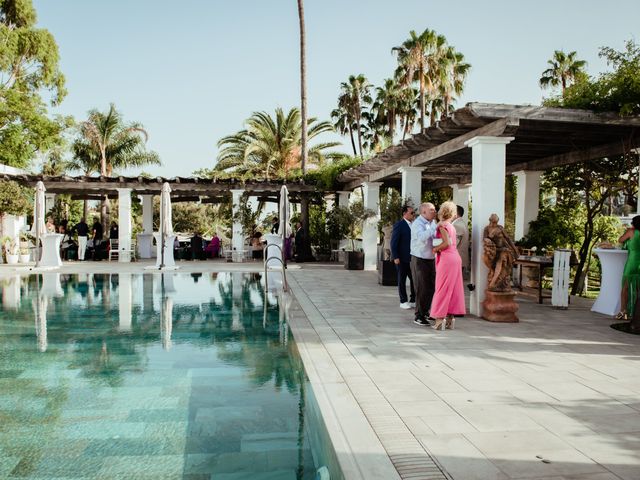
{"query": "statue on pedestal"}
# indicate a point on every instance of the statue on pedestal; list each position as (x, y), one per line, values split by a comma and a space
(499, 253)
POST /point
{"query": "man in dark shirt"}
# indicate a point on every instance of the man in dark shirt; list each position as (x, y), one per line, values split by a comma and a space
(82, 229)
(197, 247)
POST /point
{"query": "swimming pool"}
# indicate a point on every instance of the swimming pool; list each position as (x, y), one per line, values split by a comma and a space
(157, 376)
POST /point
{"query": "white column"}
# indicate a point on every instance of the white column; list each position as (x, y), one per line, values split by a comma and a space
(236, 232)
(461, 197)
(527, 201)
(147, 214)
(124, 224)
(49, 201)
(411, 184)
(488, 156)
(343, 198)
(371, 199)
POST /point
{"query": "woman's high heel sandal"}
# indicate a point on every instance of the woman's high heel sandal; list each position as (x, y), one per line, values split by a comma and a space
(440, 324)
(451, 323)
(622, 315)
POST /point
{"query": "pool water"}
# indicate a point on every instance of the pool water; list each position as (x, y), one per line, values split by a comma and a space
(159, 376)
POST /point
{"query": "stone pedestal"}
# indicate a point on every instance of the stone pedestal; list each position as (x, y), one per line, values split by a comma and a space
(500, 307)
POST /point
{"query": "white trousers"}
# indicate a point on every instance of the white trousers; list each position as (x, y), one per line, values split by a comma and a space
(82, 247)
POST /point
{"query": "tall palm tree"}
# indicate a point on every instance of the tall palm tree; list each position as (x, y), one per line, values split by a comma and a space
(344, 125)
(354, 97)
(563, 69)
(106, 143)
(454, 71)
(408, 109)
(303, 86)
(418, 59)
(271, 147)
(387, 105)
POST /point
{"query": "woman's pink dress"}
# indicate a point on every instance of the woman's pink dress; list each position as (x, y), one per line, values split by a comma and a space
(449, 296)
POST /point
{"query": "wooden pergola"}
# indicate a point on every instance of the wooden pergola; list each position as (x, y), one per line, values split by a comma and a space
(474, 148)
(543, 137)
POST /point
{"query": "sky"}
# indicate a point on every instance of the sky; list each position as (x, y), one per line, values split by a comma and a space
(192, 71)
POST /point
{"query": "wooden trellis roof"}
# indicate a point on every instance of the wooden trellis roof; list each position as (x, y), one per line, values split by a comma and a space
(544, 137)
(182, 188)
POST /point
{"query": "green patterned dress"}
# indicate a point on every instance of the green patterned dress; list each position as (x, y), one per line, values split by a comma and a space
(631, 273)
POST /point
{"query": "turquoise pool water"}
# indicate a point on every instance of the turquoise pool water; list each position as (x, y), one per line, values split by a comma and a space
(152, 376)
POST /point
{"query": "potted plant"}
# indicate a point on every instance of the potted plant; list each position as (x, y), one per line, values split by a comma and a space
(12, 252)
(350, 220)
(25, 256)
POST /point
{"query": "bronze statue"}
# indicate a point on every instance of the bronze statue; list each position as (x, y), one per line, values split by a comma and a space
(499, 254)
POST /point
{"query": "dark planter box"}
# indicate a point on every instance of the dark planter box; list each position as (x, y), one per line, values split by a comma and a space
(354, 260)
(387, 273)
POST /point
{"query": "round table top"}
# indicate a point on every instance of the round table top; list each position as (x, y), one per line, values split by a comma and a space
(617, 251)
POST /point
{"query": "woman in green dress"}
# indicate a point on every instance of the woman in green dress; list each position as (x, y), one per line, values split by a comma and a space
(631, 273)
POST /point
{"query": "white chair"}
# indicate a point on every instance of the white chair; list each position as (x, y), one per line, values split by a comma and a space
(116, 251)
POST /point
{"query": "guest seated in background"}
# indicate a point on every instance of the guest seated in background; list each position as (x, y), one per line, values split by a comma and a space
(68, 247)
(113, 231)
(213, 247)
(197, 247)
(257, 247)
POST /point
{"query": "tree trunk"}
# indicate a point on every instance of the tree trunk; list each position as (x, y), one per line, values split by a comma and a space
(353, 142)
(422, 106)
(307, 255)
(104, 214)
(303, 87)
(85, 209)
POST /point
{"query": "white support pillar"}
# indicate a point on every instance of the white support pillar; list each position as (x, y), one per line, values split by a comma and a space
(488, 156)
(343, 198)
(237, 242)
(461, 197)
(147, 214)
(528, 199)
(49, 202)
(145, 239)
(371, 199)
(411, 184)
(124, 224)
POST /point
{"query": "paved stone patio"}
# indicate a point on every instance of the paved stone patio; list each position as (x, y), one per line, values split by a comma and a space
(553, 397)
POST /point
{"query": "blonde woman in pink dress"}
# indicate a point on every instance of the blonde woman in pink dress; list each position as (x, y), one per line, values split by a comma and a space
(448, 299)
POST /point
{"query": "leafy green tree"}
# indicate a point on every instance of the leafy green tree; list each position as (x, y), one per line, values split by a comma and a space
(29, 68)
(270, 147)
(563, 69)
(14, 199)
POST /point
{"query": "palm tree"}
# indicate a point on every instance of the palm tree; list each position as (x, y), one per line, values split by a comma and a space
(343, 124)
(303, 87)
(387, 105)
(107, 143)
(563, 69)
(352, 101)
(408, 109)
(454, 71)
(419, 58)
(271, 147)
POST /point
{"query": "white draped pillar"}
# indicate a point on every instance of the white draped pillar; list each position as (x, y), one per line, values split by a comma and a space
(371, 199)
(461, 197)
(124, 224)
(237, 242)
(411, 184)
(528, 199)
(488, 176)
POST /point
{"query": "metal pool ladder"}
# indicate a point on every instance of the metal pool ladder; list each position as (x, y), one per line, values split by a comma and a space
(285, 285)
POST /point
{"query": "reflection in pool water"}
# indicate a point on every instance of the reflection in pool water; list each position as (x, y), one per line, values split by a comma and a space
(152, 376)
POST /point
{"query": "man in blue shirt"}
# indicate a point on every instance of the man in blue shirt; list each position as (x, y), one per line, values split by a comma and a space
(401, 255)
(423, 267)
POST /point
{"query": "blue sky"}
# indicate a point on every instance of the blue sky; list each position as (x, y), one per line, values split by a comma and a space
(193, 71)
